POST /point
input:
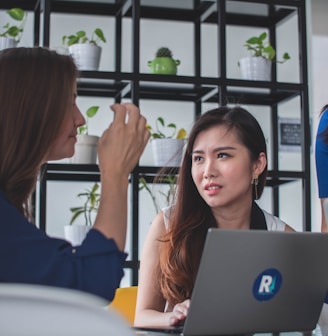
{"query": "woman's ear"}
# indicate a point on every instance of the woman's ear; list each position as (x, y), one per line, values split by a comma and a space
(259, 164)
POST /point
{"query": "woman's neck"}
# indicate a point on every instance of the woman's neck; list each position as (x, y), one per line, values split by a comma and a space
(236, 217)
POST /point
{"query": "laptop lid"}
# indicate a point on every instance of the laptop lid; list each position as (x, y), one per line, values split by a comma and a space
(258, 281)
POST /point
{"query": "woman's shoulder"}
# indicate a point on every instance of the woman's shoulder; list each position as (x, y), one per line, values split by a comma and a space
(166, 215)
(273, 222)
(323, 121)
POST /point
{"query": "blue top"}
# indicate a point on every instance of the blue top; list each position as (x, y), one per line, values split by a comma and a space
(321, 157)
(28, 255)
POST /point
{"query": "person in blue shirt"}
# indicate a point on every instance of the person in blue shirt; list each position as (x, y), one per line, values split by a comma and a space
(38, 123)
(321, 160)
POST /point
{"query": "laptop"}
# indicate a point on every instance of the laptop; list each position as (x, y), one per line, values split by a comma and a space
(253, 281)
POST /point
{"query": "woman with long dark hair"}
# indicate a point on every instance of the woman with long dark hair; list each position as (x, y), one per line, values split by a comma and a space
(223, 172)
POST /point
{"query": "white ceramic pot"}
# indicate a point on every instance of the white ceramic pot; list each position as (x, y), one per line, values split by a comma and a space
(86, 56)
(7, 42)
(75, 234)
(85, 149)
(167, 152)
(255, 68)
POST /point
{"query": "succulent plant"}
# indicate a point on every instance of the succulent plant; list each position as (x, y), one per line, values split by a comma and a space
(163, 52)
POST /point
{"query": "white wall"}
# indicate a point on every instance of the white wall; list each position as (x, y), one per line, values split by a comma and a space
(178, 37)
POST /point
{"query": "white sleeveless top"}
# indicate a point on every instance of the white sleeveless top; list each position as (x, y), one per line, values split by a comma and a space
(273, 223)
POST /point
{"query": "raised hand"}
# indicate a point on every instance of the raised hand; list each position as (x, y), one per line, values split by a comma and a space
(123, 142)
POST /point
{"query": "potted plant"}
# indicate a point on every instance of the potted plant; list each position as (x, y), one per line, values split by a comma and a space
(86, 145)
(76, 233)
(12, 34)
(169, 180)
(85, 50)
(167, 147)
(258, 65)
(163, 63)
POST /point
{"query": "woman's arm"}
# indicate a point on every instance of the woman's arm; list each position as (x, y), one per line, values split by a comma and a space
(119, 150)
(150, 302)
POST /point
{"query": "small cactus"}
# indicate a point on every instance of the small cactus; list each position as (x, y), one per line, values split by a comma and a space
(163, 52)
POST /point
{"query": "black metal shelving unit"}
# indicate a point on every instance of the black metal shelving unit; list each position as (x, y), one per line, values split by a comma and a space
(135, 85)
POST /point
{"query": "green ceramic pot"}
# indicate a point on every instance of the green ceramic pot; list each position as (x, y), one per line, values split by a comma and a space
(163, 66)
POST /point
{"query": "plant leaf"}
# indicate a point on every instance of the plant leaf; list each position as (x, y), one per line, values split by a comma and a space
(82, 130)
(91, 112)
(16, 13)
(270, 52)
(182, 134)
(161, 121)
(286, 56)
(76, 214)
(100, 34)
(253, 40)
(262, 37)
(81, 33)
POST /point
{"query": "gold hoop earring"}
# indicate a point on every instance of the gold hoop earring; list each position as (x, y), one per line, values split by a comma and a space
(255, 182)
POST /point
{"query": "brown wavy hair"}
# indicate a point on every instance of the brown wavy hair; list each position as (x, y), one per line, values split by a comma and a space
(182, 245)
(35, 90)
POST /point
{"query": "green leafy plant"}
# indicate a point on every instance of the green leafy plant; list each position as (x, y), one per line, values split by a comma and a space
(97, 36)
(15, 31)
(261, 48)
(168, 196)
(90, 113)
(161, 127)
(91, 204)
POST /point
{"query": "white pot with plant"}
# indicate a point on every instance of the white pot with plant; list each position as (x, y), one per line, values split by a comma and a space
(76, 233)
(167, 149)
(258, 65)
(12, 33)
(85, 50)
(86, 145)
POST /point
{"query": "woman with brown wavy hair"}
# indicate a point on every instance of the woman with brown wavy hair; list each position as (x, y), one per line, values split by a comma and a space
(38, 123)
(223, 172)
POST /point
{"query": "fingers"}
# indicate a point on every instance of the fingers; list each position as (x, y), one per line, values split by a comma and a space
(180, 312)
(174, 321)
(124, 140)
(121, 110)
(135, 119)
(182, 308)
(119, 113)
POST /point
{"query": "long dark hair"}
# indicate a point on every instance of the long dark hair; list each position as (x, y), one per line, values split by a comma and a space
(35, 89)
(182, 246)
